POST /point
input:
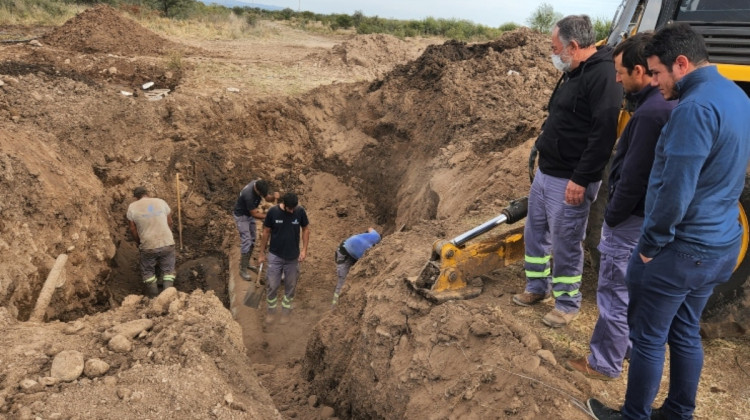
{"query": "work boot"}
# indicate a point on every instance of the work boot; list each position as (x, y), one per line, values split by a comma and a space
(244, 262)
(557, 318)
(601, 411)
(168, 284)
(152, 289)
(529, 299)
(582, 365)
(270, 317)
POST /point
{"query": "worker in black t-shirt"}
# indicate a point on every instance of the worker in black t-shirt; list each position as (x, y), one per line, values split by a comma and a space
(284, 225)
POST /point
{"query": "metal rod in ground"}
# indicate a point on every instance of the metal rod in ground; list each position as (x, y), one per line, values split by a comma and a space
(179, 209)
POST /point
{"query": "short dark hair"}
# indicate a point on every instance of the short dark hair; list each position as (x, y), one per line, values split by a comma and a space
(262, 186)
(139, 192)
(290, 200)
(576, 28)
(674, 40)
(633, 51)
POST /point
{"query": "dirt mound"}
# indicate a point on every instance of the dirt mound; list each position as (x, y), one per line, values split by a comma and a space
(176, 355)
(391, 354)
(369, 56)
(102, 29)
(457, 110)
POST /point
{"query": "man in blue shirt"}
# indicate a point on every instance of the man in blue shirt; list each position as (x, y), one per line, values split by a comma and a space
(691, 235)
(351, 250)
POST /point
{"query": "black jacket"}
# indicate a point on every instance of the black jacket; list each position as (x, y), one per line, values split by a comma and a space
(578, 135)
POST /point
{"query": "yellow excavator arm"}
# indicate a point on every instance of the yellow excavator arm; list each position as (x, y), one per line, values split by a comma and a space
(455, 268)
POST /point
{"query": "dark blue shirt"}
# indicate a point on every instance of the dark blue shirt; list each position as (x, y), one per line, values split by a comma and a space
(247, 200)
(631, 166)
(699, 169)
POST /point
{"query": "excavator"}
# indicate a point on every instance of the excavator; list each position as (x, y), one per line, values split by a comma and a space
(456, 266)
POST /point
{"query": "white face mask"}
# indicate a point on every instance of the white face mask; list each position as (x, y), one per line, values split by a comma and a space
(559, 63)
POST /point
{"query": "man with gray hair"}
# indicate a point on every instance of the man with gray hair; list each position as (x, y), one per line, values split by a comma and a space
(574, 147)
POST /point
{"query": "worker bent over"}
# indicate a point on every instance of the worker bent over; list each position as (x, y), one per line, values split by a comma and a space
(150, 221)
(351, 250)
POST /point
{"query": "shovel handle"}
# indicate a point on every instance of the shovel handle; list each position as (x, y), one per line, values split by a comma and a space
(260, 270)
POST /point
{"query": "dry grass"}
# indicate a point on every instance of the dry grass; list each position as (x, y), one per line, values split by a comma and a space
(228, 27)
(21, 12)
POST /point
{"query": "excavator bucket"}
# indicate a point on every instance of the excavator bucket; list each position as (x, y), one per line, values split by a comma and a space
(454, 270)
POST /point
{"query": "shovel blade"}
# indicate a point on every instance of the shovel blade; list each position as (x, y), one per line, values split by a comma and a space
(254, 292)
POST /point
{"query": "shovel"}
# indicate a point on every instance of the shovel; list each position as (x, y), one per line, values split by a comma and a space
(254, 292)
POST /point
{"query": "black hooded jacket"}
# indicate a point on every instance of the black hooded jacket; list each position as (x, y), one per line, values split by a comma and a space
(581, 129)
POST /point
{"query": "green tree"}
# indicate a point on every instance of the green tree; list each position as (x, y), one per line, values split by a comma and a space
(602, 27)
(543, 18)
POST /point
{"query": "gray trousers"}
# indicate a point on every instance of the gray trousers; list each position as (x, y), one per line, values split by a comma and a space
(164, 257)
(289, 269)
(247, 229)
(554, 227)
(610, 342)
(343, 264)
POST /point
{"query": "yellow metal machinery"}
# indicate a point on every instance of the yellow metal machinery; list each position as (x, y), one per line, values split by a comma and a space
(454, 270)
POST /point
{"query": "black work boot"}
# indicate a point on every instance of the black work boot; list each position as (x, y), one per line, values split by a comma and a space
(168, 284)
(601, 411)
(152, 289)
(244, 262)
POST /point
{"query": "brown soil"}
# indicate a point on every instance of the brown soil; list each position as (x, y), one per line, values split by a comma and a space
(422, 139)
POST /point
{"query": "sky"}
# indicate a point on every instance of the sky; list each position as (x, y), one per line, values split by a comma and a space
(488, 13)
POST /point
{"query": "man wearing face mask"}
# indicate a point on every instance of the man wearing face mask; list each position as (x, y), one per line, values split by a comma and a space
(574, 147)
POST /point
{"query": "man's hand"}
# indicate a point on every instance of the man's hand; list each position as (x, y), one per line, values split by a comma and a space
(302, 255)
(262, 257)
(574, 193)
(644, 258)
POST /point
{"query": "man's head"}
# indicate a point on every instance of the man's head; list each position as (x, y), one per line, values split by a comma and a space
(261, 187)
(631, 66)
(139, 192)
(673, 52)
(290, 201)
(573, 39)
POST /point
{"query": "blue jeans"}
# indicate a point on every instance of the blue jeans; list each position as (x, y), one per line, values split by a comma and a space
(667, 297)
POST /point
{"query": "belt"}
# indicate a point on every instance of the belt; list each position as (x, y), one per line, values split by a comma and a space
(342, 250)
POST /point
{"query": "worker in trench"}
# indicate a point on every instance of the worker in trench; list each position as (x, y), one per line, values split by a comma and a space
(574, 147)
(150, 221)
(246, 211)
(349, 251)
(284, 226)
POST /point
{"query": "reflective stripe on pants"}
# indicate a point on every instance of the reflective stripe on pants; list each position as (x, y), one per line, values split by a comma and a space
(558, 229)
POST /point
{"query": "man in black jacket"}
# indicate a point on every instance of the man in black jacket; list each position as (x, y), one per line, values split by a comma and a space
(574, 147)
